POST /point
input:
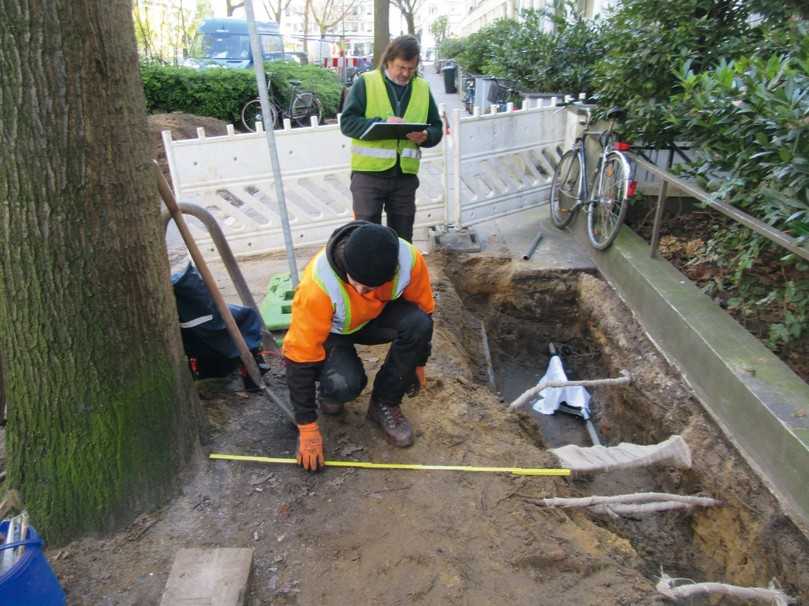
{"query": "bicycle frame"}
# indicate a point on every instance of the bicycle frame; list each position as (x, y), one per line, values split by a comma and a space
(605, 193)
(589, 190)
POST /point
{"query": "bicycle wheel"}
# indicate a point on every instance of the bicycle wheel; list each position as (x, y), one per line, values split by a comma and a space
(608, 209)
(304, 105)
(251, 113)
(565, 188)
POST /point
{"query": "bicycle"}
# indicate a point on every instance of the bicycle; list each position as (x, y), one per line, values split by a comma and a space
(302, 106)
(502, 92)
(605, 197)
(468, 86)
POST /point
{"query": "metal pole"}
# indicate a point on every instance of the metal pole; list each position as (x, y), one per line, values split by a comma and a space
(454, 217)
(533, 247)
(661, 203)
(782, 239)
(261, 81)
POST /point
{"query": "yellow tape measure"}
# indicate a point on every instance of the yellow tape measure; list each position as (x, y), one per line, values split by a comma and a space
(517, 471)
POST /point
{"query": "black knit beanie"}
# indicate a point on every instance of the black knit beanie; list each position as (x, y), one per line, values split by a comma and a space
(371, 254)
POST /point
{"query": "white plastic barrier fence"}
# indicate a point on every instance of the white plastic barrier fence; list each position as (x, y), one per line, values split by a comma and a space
(503, 163)
(232, 178)
(488, 166)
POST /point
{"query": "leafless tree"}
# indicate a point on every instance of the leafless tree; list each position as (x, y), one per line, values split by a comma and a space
(233, 6)
(328, 13)
(381, 28)
(275, 9)
(408, 9)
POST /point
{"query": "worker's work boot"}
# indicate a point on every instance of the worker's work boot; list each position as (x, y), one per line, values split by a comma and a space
(395, 426)
(330, 407)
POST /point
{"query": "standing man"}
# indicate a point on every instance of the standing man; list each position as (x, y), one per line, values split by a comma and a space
(366, 286)
(384, 173)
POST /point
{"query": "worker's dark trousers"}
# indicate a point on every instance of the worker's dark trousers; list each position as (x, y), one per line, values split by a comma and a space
(342, 377)
(396, 195)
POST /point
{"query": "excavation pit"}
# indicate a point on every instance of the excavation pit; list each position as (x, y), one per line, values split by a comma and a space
(747, 541)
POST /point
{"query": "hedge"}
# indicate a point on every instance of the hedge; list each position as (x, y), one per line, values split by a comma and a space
(523, 51)
(221, 93)
(749, 120)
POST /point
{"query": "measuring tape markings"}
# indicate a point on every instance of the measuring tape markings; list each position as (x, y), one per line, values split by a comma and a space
(517, 471)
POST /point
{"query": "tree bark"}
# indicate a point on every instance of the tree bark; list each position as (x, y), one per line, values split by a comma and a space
(232, 7)
(102, 413)
(381, 28)
(306, 8)
(411, 23)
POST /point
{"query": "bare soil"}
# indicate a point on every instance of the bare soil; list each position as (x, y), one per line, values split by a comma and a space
(401, 537)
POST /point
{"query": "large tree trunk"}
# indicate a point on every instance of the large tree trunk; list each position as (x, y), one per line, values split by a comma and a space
(381, 28)
(101, 408)
(411, 23)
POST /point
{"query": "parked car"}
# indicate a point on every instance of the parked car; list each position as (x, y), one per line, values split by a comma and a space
(226, 43)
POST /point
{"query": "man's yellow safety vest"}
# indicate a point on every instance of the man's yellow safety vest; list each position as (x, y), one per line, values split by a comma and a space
(376, 156)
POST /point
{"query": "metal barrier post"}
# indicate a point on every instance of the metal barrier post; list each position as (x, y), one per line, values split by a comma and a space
(778, 237)
(454, 217)
(261, 81)
(661, 202)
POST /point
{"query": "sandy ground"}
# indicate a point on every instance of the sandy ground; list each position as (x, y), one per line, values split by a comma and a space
(398, 537)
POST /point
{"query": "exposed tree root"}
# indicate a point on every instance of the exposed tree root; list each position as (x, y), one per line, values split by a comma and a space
(770, 595)
(627, 504)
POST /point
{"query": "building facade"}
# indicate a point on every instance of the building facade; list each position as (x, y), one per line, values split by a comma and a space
(429, 11)
(355, 33)
(481, 13)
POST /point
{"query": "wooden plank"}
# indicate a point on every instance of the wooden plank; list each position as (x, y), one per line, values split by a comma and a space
(208, 577)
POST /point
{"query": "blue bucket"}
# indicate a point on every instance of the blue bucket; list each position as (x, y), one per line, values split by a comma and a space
(30, 581)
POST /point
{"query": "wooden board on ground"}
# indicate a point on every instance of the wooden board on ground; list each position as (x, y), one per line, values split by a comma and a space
(204, 577)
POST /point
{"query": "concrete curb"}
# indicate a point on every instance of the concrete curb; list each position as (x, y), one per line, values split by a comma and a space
(761, 405)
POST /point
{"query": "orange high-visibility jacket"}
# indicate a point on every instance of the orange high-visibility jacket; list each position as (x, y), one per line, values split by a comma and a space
(324, 303)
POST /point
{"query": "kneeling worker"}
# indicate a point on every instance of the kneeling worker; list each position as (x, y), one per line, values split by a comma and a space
(367, 286)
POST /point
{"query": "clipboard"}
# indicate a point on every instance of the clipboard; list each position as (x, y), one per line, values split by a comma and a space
(391, 130)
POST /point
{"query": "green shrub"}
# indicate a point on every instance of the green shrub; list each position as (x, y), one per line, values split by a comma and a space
(645, 43)
(450, 48)
(479, 48)
(749, 119)
(561, 60)
(221, 93)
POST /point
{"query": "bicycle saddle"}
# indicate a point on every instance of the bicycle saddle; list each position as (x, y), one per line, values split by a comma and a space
(616, 113)
(294, 82)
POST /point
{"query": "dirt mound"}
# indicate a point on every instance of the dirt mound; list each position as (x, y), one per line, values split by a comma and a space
(182, 126)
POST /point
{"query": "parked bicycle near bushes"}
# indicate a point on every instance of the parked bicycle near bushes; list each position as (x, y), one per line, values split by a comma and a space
(605, 198)
(303, 105)
(502, 92)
